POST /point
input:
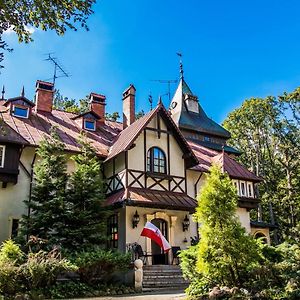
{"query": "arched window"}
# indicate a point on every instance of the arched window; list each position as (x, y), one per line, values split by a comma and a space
(260, 235)
(156, 160)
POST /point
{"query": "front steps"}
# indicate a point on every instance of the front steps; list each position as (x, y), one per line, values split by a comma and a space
(163, 278)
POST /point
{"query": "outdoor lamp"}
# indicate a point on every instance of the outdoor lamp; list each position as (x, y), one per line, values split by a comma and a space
(185, 223)
(135, 219)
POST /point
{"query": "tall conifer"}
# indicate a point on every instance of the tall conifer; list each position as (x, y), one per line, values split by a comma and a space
(225, 249)
(85, 225)
(46, 206)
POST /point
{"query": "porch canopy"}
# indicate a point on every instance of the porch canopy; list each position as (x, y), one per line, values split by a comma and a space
(152, 198)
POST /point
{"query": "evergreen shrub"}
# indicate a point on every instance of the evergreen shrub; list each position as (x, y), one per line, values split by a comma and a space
(98, 265)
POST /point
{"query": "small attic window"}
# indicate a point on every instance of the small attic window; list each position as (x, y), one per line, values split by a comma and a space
(21, 112)
(89, 125)
(2, 156)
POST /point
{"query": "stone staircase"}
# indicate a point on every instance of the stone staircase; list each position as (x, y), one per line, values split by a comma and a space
(163, 277)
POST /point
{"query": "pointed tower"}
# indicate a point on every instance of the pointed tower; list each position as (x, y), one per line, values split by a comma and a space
(193, 122)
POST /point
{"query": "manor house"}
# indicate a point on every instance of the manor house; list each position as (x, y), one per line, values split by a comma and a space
(154, 166)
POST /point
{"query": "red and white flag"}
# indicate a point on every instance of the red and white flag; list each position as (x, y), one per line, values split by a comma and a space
(153, 233)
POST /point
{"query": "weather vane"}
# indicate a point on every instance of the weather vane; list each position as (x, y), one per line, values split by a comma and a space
(180, 64)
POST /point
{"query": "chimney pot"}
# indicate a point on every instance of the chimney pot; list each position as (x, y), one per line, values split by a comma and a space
(44, 96)
(97, 105)
(129, 106)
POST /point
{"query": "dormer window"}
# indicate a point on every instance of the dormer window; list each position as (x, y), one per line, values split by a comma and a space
(2, 156)
(89, 125)
(156, 160)
(21, 112)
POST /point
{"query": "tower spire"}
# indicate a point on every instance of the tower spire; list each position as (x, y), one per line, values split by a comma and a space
(180, 65)
(23, 92)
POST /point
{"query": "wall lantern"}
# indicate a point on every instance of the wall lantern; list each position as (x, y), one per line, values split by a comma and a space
(135, 219)
(185, 223)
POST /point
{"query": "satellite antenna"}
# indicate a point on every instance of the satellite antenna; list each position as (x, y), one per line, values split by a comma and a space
(168, 82)
(58, 69)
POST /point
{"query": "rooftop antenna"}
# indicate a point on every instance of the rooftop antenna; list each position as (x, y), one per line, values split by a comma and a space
(150, 99)
(3, 92)
(180, 64)
(58, 69)
(168, 82)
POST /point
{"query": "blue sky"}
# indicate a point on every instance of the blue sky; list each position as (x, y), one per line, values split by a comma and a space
(232, 50)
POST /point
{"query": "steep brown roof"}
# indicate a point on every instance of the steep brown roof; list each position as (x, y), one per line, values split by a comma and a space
(127, 137)
(152, 198)
(207, 156)
(37, 126)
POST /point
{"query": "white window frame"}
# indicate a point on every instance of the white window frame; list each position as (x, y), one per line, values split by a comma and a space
(85, 120)
(13, 111)
(3, 156)
(250, 188)
(236, 185)
(245, 189)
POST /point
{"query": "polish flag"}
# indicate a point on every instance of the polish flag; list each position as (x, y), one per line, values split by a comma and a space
(152, 232)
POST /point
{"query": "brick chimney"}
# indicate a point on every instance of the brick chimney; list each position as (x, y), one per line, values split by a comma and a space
(129, 106)
(44, 96)
(97, 105)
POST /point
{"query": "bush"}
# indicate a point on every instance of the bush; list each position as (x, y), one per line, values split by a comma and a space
(11, 253)
(20, 273)
(41, 269)
(98, 265)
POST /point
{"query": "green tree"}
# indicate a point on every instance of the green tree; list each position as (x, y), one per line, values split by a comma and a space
(85, 223)
(70, 105)
(112, 117)
(59, 16)
(268, 134)
(225, 250)
(47, 206)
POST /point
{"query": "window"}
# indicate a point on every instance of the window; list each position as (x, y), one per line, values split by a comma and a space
(14, 228)
(250, 194)
(2, 156)
(90, 125)
(207, 139)
(112, 231)
(236, 186)
(156, 160)
(243, 191)
(21, 112)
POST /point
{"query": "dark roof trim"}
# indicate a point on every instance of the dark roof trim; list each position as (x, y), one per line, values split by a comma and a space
(88, 112)
(30, 103)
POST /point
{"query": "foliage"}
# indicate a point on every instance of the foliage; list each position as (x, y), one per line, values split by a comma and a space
(70, 105)
(97, 265)
(47, 203)
(41, 269)
(225, 250)
(10, 253)
(19, 16)
(267, 132)
(112, 117)
(20, 272)
(139, 114)
(70, 289)
(85, 214)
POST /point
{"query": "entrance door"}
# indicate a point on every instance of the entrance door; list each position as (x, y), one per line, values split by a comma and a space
(158, 255)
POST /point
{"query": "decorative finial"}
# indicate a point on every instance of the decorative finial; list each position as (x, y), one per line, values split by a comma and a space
(23, 92)
(3, 92)
(159, 100)
(223, 147)
(180, 65)
(150, 99)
